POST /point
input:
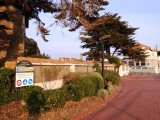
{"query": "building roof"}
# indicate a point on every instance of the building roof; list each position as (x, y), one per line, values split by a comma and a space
(145, 47)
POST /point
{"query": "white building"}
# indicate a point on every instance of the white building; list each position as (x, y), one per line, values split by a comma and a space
(151, 64)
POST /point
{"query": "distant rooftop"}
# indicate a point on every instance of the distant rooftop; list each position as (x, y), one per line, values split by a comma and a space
(145, 47)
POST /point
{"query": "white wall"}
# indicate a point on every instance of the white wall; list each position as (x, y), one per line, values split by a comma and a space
(53, 84)
(124, 70)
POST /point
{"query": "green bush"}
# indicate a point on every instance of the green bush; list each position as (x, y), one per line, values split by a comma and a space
(112, 76)
(7, 89)
(55, 98)
(6, 78)
(95, 77)
(74, 93)
(102, 93)
(36, 102)
(24, 92)
(86, 85)
(115, 60)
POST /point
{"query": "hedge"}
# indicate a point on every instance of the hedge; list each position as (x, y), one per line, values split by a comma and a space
(93, 76)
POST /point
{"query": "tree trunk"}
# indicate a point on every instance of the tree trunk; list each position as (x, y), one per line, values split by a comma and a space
(108, 53)
(114, 51)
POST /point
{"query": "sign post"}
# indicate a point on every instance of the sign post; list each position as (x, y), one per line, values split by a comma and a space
(24, 74)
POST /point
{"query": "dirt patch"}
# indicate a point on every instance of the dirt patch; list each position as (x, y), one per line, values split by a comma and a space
(16, 111)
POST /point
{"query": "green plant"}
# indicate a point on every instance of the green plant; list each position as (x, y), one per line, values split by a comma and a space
(55, 98)
(95, 77)
(69, 77)
(86, 85)
(112, 76)
(96, 66)
(6, 78)
(7, 89)
(24, 92)
(102, 93)
(74, 93)
(36, 102)
(115, 60)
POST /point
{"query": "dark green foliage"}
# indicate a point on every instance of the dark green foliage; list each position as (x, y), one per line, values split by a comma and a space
(36, 102)
(95, 77)
(55, 98)
(25, 92)
(112, 76)
(74, 93)
(5, 78)
(86, 85)
(7, 90)
(102, 93)
(115, 60)
(31, 49)
(134, 53)
(121, 38)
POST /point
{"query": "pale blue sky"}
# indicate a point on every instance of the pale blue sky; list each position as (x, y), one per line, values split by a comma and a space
(138, 13)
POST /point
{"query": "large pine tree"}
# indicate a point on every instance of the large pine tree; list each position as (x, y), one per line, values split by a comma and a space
(121, 39)
(71, 13)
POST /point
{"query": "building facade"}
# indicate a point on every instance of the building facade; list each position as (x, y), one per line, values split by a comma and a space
(151, 64)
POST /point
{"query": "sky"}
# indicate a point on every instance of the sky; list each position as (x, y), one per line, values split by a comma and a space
(143, 14)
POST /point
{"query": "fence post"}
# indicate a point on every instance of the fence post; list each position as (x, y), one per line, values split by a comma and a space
(72, 68)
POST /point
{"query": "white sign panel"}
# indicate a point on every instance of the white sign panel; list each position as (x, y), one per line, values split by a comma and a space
(24, 74)
(24, 79)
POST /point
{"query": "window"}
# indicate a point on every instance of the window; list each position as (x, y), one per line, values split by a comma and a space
(137, 63)
(131, 63)
(142, 63)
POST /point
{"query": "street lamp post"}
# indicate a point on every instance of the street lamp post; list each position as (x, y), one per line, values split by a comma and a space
(102, 42)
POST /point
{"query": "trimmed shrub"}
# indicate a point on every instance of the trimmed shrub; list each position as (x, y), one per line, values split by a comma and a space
(74, 93)
(112, 76)
(36, 102)
(102, 93)
(7, 91)
(93, 76)
(55, 98)
(97, 79)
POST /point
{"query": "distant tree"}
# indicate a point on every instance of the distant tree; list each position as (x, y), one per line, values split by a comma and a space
(115, 60)
(134, 53)
(46, 56)
(121, 38)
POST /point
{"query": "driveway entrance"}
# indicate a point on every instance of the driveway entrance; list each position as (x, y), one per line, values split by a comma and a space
(139, 99)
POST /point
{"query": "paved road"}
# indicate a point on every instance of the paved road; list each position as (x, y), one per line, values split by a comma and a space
(139, 99)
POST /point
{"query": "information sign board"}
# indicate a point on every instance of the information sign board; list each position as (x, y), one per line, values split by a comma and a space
(24, 74)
